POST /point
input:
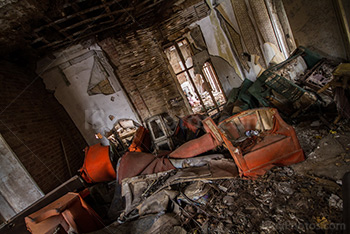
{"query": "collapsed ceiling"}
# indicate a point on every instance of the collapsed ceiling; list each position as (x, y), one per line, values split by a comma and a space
(52, 24)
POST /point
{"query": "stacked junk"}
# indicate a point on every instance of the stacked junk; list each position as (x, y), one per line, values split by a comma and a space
(208, 174)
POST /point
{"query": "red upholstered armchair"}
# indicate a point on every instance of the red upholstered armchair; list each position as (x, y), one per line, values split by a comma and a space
(259, 139)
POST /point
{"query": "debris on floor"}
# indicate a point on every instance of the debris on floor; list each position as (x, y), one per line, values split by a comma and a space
(259, 139)
(329, 153)
(271, 162)
(280, 201)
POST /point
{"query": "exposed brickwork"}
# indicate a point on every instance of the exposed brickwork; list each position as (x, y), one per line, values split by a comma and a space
(143, 68)
(34, 125)
(177, 24)
(247, 29)
(144, 72)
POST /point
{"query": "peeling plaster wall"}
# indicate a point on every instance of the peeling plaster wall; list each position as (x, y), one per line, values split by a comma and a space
(314, 24)
(219, 48)
(89, 113)
(216, 40)
(227, 75)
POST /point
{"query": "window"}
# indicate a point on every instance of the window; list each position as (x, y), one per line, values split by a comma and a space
(203, 91)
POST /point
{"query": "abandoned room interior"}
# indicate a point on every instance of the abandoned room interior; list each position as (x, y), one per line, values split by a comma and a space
(177, 116)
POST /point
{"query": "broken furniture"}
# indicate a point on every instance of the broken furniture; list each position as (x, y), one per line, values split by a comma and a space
(340, 85)
(141, 141)
(205, 202)
(272, 143)
(188, 128)
(97, 166)
(257, 139)
(139, 163)
(17, 225)
(160, 131)
(68, 214)
(239, 100)
(271, 89)
(276, 85)
(122, 134)
(195, 147)
(195, 161)
(319, 76)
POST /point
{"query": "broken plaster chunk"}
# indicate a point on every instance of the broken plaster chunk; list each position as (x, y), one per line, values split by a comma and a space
(98, 136)
(316, 123)
(228, 200)
(335, 202)
(285, 188)
(268, 226)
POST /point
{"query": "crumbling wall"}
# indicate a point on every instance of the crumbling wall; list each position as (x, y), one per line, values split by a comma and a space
(314, 24)
(145, 74)
(33, 123)
(234, 27)
(216, 40)
(85, 84)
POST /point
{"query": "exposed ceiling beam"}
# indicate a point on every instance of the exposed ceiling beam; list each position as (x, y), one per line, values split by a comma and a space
(76, 14)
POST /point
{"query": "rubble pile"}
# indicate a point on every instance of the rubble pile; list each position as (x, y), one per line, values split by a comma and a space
(280, 201)
(224, 174)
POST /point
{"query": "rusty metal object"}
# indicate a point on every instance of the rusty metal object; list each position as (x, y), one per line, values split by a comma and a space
(68, 213)
(97, 165)
(276, 143)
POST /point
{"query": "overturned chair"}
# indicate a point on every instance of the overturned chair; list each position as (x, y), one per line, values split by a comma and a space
(259, 139)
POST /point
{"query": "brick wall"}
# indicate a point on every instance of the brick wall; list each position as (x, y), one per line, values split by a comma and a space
(143, 68)
(33, 126)
(144, 73)
(175, 26)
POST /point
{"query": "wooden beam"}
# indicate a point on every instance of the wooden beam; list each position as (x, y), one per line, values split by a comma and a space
(60, 43)
(77, 9)
(75, 15)
(96, 18)
(57, 28)
(108, 10)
